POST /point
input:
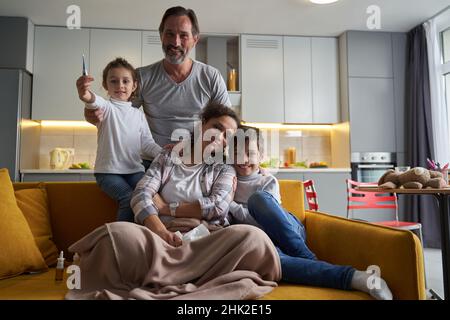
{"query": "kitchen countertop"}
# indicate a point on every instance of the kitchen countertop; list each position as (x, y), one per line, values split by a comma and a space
(271, 170)
(90, 171)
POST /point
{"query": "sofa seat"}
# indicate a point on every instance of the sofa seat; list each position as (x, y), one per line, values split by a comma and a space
(37, 286)
(42, 286)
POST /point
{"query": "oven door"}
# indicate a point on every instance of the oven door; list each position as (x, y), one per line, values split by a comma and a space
(370, 172)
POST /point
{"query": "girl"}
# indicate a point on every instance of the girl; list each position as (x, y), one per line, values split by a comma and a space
(123, 134)
(257, 202)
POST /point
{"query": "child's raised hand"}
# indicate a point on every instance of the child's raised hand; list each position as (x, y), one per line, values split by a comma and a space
(83, 85)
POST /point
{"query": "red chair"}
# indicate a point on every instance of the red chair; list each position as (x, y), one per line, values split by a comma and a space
(357, 199)
(311, 195)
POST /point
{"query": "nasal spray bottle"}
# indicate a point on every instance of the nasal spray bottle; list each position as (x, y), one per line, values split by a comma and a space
(59, 273)
(85, 73)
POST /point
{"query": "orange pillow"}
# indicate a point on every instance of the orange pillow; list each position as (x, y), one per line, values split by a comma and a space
(18, 250)
(34, 205)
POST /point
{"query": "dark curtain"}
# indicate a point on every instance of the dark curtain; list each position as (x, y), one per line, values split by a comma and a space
(419, 135)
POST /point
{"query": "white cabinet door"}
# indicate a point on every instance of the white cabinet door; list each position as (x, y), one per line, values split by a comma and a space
(372, 115)
(325, 80)
(106, 45)
(152, 48)
(298, 103)
(262, 78)
(57, 65)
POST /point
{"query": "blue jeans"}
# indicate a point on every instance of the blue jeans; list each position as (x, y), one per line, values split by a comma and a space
(298, 263)
(120, 187)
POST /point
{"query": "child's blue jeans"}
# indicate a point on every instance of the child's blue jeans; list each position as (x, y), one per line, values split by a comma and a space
(298, 264)
(120, 187)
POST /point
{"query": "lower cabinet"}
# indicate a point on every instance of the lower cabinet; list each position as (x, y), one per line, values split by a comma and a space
(46, 177)
(330, 187)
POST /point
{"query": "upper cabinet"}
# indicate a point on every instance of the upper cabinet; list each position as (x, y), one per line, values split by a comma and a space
(373, 89)
(262, 78)
(106, 45)
(57, 65)
(369, 54)
(325, 80)
(298, 99)
(290, 79)
(17, 34)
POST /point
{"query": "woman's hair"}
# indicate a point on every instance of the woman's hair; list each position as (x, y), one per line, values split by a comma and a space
(217, 110)
(121, 63)
(178, 12)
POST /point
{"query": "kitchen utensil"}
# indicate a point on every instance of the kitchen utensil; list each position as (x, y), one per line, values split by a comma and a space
(60, 158)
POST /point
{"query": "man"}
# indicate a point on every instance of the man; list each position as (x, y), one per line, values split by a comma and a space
(173, 91)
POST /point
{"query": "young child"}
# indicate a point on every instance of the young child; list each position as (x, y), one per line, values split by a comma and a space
(257, 202)
(123, 134)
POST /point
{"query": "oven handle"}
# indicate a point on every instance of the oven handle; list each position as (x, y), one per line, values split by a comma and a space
(375, 166)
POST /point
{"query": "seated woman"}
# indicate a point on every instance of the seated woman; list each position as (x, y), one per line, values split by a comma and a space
(184, 183)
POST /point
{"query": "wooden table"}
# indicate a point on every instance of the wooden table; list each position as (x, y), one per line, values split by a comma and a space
(442, 196)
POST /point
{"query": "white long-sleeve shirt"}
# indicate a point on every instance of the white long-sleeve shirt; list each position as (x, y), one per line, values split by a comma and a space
(246, 186)
(123, 138)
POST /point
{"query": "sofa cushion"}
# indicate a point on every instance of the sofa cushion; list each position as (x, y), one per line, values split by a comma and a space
(19, 252)
(34, 205)
(292, 197)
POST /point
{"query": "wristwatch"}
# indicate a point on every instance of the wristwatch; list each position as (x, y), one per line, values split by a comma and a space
(173, 207)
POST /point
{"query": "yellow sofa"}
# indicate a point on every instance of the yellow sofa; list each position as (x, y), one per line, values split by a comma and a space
(76, 208)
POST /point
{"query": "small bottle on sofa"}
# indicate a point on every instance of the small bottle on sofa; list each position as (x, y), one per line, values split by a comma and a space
(59, 272)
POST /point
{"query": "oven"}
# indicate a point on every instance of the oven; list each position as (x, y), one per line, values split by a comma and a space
(370, 166)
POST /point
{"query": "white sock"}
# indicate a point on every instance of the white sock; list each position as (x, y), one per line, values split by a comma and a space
(359, 282)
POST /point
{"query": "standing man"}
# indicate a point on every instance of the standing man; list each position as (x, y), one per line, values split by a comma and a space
(173, 91)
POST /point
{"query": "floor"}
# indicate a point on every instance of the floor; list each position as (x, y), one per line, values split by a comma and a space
(433, 270)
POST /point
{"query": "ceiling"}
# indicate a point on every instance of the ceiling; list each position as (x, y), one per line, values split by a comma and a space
(288, 17)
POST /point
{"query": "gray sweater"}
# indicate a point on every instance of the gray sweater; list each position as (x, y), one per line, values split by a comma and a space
(246, 186)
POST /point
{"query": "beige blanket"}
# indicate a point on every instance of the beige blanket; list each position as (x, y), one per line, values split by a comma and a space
(123, 260)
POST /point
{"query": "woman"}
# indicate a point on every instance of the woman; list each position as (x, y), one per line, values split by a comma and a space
(178, 186)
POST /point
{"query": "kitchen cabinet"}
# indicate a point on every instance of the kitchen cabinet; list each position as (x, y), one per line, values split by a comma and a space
(298, 98)
(399, 44)
(372, 116)
(108, 44)
(325, 80)
(57, 65)
(331, 191)
(308, 69)
(369, 54)
(262, 78)
(330, 186)
(17, 34)
(372, 68)
(47, 175)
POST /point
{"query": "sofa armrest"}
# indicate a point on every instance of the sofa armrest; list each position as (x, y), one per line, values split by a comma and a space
(398, 253)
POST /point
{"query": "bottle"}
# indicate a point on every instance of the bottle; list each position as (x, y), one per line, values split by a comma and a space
(59, 272)
(76, 259)
(232, 80)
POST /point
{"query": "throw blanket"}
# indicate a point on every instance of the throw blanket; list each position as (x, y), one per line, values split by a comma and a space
(124, 260)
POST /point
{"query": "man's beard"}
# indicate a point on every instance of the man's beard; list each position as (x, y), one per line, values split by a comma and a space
(175, 59)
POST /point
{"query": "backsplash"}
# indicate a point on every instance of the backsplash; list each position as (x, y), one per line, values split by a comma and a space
(312, 145)
(82, 139)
